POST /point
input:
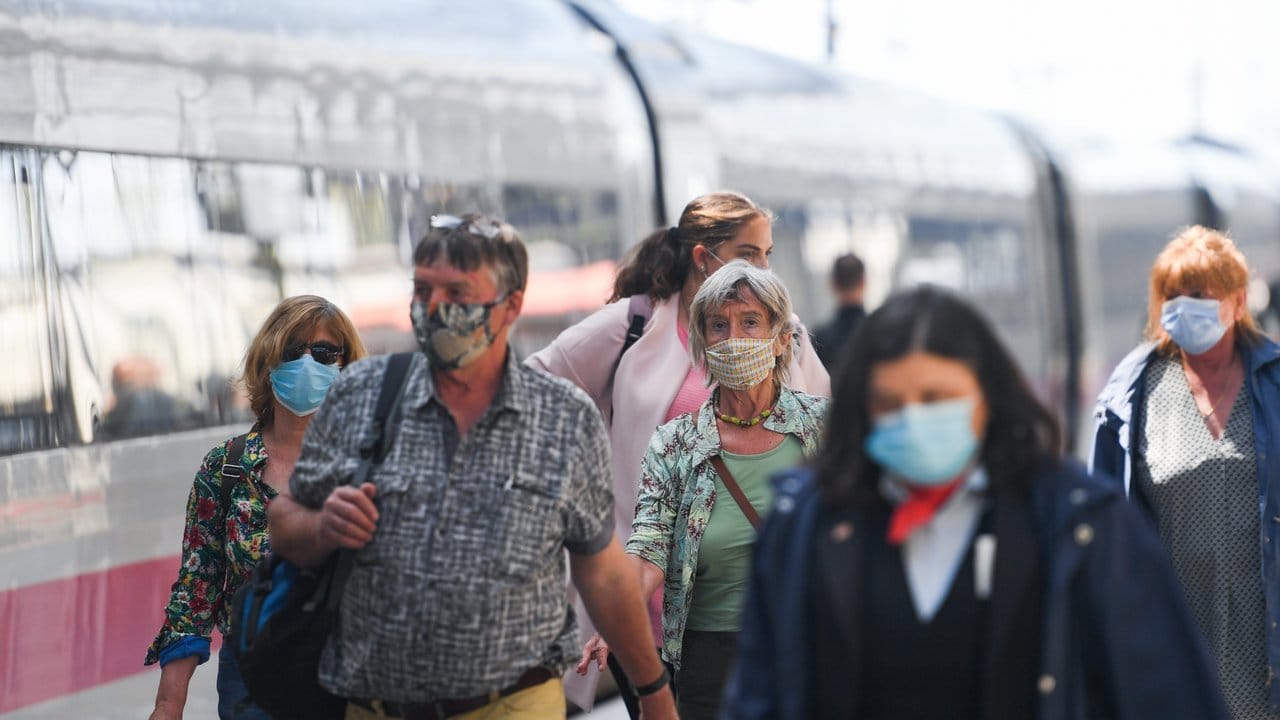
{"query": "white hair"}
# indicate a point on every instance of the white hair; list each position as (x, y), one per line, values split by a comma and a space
(726, 285)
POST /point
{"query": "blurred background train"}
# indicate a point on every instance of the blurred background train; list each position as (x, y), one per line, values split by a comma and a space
(169, 171)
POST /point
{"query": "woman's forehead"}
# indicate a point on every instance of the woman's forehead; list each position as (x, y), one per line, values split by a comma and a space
(921, 368)
(745, 300)
(1196, 276)
(1196, 287)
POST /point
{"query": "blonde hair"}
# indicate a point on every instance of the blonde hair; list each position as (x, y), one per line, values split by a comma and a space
(727, 285)
(291, 322)
(1198, 259)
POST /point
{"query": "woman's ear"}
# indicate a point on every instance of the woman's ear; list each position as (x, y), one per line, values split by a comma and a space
(780, 343)
(700, 257)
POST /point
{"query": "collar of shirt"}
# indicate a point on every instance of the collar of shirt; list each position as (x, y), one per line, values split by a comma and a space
(933, 553)
(255, 449)
(785, 420)
(513, 393)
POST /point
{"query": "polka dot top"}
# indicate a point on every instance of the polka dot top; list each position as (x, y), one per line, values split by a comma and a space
(1204, 492)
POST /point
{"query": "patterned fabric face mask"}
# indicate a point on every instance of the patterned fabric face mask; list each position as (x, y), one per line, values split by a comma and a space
(741, 363)
(455, 334)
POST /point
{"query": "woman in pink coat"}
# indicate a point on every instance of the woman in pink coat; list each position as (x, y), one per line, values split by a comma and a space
(632, 357)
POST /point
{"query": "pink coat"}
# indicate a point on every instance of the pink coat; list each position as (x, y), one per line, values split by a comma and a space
(648, 378)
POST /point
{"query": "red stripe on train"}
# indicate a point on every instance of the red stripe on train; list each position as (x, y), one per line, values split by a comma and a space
(69, 635)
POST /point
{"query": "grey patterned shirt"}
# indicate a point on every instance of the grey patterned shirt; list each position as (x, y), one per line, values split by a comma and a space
(462, 588)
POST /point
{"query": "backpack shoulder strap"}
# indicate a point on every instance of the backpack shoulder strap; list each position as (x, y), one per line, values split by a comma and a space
(639, 310)
(232, 473)
(374, 448)
(378, 442)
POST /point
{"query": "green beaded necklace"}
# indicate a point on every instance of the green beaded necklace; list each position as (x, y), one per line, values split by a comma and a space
(751, 422)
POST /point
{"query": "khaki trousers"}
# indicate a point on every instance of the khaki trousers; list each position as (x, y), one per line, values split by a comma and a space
(535, 703)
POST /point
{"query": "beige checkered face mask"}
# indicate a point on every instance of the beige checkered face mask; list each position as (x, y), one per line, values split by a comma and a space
(741, 363)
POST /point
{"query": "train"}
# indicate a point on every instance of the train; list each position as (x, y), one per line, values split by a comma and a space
(169, 171)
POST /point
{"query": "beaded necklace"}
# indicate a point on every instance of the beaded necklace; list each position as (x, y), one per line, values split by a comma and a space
(751, 422)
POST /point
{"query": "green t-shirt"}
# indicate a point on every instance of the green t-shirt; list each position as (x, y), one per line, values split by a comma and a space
(724, 555)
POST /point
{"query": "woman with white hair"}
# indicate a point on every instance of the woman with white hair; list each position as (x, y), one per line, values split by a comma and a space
(705, 478)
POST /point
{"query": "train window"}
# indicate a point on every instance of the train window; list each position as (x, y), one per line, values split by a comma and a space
(425, 199)
(216, 190)
(241, 281)
(26, 386)
(367, 204)
(367, 208)
(995, 263)
(132, 307)
(582, 218)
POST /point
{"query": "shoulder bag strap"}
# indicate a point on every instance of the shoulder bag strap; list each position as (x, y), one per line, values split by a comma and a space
(738, 496)
(232, 472)
(374, 448)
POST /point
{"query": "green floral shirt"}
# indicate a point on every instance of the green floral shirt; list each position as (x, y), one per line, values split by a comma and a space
(678, 489)
(216, 558)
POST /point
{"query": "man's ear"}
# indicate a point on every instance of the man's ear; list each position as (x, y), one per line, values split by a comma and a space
(515, 301)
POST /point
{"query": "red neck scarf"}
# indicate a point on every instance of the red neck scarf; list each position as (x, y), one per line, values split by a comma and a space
(919, 508)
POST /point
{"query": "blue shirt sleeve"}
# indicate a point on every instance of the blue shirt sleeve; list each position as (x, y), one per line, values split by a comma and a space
(186, 647)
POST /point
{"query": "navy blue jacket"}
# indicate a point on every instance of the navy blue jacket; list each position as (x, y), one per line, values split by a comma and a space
(1117, 639)
(1119, 416)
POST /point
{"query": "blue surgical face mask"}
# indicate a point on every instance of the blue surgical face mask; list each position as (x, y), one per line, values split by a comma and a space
(925, 443)
(1193, 323)
(300, 385)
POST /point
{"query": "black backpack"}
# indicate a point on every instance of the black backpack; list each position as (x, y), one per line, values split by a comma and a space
(282, 617)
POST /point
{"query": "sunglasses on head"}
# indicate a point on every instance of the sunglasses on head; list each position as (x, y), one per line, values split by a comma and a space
(322, 352)
(488, 231)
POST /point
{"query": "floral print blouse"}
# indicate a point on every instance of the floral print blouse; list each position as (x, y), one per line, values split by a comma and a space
(678, 489)
(217, 558)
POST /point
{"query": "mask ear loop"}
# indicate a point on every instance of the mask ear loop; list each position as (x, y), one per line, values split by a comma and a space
(488, 314)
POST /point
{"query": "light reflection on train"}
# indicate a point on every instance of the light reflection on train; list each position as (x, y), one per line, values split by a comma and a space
(157, 199)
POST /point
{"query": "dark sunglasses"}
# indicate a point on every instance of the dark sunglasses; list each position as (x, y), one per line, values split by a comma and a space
(322, 352)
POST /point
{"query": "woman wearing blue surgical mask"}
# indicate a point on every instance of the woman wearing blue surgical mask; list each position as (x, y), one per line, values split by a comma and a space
(704, 480)
(304, 343)
(941, 560)
(1185, 422)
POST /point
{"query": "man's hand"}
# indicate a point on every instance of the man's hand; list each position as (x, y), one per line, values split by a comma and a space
(349, 517)
(611, 592)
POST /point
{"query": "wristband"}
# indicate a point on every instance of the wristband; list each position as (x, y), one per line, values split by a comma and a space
(655, 686)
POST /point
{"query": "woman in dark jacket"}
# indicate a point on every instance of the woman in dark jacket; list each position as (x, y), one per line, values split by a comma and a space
(942, 560)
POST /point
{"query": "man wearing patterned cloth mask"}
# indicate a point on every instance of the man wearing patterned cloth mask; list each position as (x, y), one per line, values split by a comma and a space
(456, 605)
